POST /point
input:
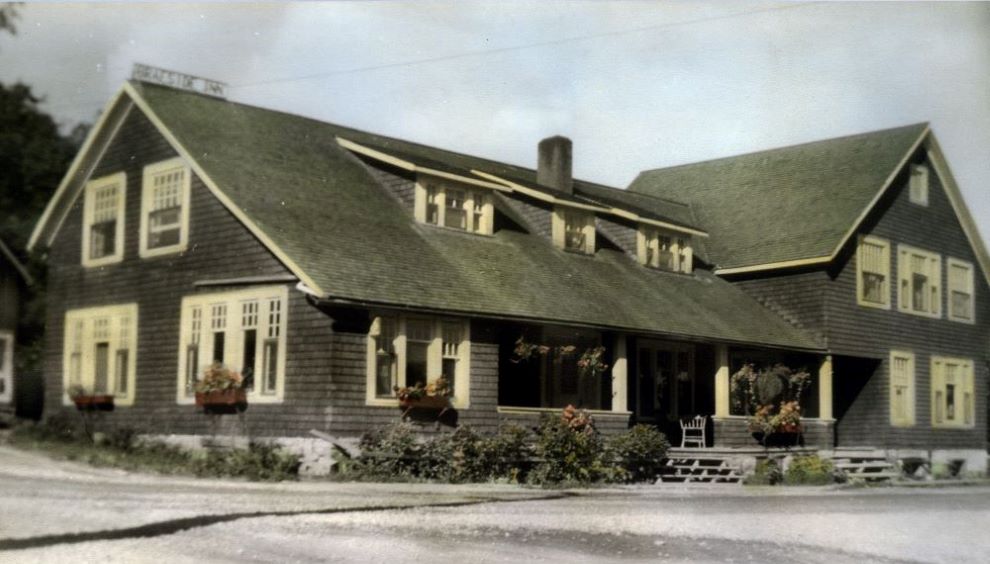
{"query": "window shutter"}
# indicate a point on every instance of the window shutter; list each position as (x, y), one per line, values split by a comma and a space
(904, 279)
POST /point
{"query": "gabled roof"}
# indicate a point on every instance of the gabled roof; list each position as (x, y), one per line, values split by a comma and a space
(8, 255)
(318, 208)
(790, 205)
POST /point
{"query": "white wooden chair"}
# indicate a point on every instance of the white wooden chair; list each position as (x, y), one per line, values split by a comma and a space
(693, 431)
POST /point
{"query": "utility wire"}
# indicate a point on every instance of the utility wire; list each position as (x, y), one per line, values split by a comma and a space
(484, 52)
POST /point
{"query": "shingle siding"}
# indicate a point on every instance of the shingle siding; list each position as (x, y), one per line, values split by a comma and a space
(220, 247)
(9, 296)
(854, 332)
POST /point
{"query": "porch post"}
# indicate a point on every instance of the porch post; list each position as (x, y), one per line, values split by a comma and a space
(721, 381)
(620, 375)
(825, 388)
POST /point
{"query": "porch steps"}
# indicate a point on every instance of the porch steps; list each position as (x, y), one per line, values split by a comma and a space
(700, 469)
(865, 466)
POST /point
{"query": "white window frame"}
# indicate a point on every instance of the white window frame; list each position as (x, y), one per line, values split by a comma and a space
(907, 419)
(478, 208)
(435, 356)
(6, 366)
(964, 412)
(121, 333)
(905, 299)
(968, 288)
(268, 323)
(147, 197)
(558, 228)
(89, 204)
(884, 245)
(918, 184)
(648, 249)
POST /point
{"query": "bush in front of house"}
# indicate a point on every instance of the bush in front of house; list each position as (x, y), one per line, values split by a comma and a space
(640, 452)
(810, 470)
(565, 450)
(571, 451)
(767, 473)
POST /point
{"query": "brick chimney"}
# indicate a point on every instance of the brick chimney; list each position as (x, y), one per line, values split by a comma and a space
(553, 166)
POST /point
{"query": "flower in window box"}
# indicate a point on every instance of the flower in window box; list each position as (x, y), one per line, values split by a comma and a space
(221, 390)
(436, 395)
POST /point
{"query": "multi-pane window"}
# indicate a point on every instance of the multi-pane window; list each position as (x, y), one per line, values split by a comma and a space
(99, 351)
(663, 250)
(901, 388)
(455, 206)
(164, 207)
(243, 330)
(411, 350)
(918, 185)
(103, 220)
(574, 229)
(6, 366)
(920, 275)
(192, 339)
(953, 393)
(873, 267)
(960, 281)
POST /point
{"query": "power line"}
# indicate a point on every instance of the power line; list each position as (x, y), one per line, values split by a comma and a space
(484, 52)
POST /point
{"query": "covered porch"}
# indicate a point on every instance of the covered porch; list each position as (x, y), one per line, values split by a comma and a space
(650, 380)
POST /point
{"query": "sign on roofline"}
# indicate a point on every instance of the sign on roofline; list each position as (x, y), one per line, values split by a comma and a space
(182, 81)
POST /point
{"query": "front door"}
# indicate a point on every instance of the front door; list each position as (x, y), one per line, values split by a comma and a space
(665, 385)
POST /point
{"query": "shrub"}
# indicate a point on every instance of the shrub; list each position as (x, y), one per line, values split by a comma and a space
(58, 427)
(640, 451)
(390, 452)
(809, 470)
(571, 451)
(121, 438)
(260, 461)
(507, 455)
(767, 473)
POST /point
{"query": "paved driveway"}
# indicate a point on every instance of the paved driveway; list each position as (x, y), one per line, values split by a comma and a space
(59, 512)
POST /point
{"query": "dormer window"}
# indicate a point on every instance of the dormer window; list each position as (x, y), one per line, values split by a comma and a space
(919, 185)
(574, 229)
(447, 204)
(664, 250)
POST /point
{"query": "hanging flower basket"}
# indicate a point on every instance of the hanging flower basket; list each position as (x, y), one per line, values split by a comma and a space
(93, 402)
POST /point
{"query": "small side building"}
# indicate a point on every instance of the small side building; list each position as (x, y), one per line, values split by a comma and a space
(14, 279)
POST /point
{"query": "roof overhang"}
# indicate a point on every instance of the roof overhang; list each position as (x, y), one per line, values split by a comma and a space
(99, 138)
(927, 140)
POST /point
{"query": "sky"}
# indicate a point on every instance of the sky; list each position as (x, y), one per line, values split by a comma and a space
(635, 85)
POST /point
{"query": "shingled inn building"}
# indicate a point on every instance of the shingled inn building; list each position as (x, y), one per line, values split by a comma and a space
(334, 264)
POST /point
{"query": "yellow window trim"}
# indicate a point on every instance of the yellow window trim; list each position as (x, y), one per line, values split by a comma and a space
(87, 317)
(462, 378)
(146, 195)
(120, 180)
(968, 385)
(860, 288)
(233, 342)
(909, 418)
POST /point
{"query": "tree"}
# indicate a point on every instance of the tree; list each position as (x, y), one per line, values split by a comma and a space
(8, 13)
(33, 158)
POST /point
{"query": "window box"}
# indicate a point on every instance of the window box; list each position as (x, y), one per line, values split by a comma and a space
(222, 401)
(93, 402)
(425, 402)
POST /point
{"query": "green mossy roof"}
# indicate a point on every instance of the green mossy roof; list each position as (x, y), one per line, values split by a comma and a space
(783, 204)
(323, 208)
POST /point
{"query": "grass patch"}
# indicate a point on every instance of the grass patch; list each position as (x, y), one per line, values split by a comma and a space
(121, 448)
